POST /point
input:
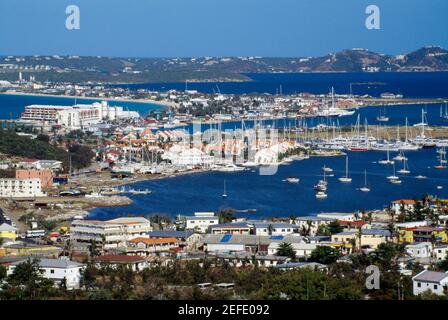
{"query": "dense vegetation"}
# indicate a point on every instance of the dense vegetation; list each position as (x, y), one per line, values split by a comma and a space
(41, 149)
(178, 280)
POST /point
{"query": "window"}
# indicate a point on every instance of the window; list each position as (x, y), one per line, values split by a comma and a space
(52, 271)
(419, 284)
(435, 287)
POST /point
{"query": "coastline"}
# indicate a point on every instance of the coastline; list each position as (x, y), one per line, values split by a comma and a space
(164, 104)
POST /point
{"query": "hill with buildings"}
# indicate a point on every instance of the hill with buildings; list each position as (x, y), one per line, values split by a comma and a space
(75, 69)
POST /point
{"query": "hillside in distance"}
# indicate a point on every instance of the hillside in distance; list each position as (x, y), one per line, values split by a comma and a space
(76, 69)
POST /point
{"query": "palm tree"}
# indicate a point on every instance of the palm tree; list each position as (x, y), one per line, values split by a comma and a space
(359, 237)
(270, 229)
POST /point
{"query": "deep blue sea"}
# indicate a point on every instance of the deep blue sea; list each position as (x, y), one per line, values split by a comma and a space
(272, 196)
(410, 84)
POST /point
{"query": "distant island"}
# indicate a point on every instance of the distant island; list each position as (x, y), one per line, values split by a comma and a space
(77, 69)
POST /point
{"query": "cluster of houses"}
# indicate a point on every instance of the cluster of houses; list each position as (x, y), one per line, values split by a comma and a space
(132, 241)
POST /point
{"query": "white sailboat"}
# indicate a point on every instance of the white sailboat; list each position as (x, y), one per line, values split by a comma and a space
(387, 161)
(405, 169)
(400, 157)
(224, 194)
(382, 117)
(365, 188)
(346, 179)
(442, 158)
(393, 176)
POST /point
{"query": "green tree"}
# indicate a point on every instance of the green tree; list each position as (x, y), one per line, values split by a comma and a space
(2, 273)
(226, 215)
(26, 282)
(334, 227)
(443, 265)
(325, 255)
(285, 249)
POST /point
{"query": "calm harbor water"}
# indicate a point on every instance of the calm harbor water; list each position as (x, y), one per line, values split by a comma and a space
(410, 84)
(272, 196)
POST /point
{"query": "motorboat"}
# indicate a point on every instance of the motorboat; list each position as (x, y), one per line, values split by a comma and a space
(293, 179)
(321, 195)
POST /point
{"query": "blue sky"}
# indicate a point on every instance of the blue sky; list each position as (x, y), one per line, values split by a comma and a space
(174, 28)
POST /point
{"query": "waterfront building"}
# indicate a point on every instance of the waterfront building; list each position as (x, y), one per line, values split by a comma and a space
(185, 157)
(75, 117)
(107, 235)
(20, 188)
(201, 221)
(435, 282)
(45, 176)
(61, 271)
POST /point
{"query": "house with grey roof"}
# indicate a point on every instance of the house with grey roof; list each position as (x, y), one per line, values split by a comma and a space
(61, 271)
(435, 282)
(244, 242)
(187, 238)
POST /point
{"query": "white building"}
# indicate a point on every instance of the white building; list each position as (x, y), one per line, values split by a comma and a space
(441, 252)
(201, 221)
(109, 234)
(77, 116)
(402, 204)
(337, 216)
(436, 282)
(419, 250)
(20, 188)
(274, 229)
(311, 223)
(184, 157)
(58, 270)
(302, 249)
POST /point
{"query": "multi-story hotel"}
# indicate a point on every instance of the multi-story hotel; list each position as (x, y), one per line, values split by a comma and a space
(111, 234)
(74, 117)
(20, 188)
